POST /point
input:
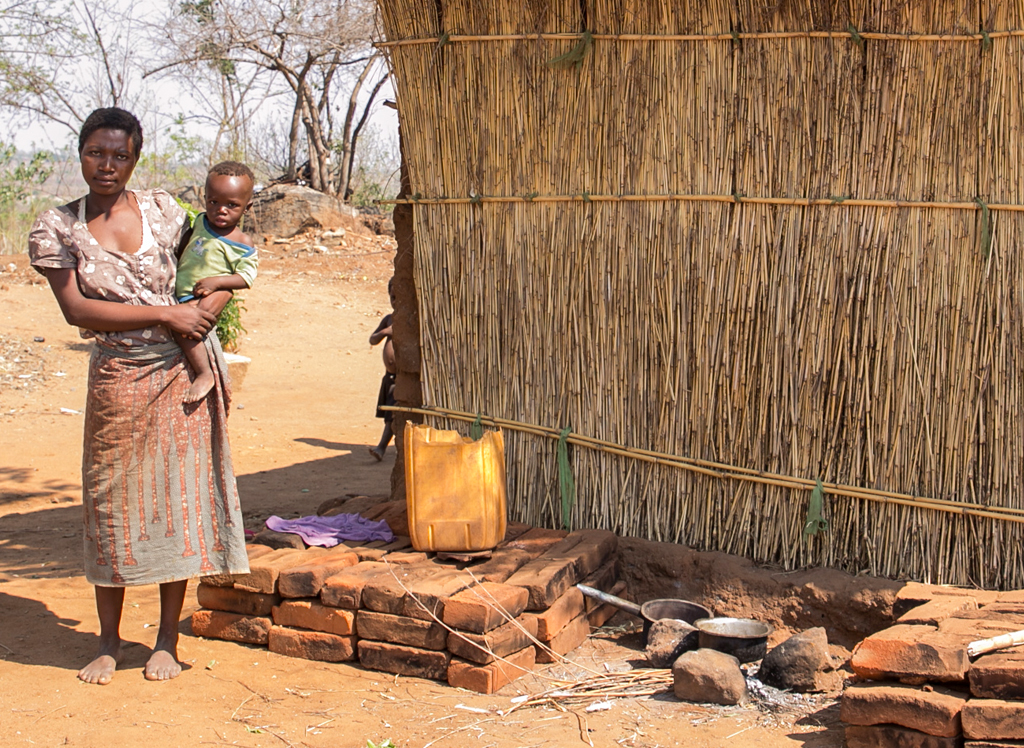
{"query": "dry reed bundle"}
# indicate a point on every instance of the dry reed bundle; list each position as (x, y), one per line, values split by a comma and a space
(864, 345)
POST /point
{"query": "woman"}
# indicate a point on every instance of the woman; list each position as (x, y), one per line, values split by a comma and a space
(159, 498)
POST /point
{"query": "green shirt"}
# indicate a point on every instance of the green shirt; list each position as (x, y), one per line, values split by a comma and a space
(208, 255)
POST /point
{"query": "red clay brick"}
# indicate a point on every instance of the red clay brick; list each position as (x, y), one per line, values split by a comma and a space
(589, 550)
(484, 607)
(1014, 596)
(537, 540)
(264, 571)
(993, 719)
(998, 675)
(606, 577)
(345, 589)
(545, 579)
(490, 678)
(935, 711)
(994, 744)
(312, 645)
(401, 630)
(235, 600)
(217, 624)
(307, 579)
(397, 658)
(600, 615)
(485, 648)
(938, 609)
(562, 611)
(252, 550)
(912, 654)
(426, 598)
(504, 563)
(973, 629)
(514, 530)
(407, 557)
(572, 636)
(400, 543)
(311, 614)
(891, 736)
(913, 594)
(386, 593)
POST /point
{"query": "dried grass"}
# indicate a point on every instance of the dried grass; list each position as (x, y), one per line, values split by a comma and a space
(863, 345)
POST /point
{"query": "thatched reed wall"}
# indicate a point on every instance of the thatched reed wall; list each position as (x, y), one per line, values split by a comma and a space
(845, 338)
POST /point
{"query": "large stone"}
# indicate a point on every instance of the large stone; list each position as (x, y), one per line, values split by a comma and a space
(935, 711)
(286, 210)
(669, 638)
(278, 540)
(708, 677)
(799, 663)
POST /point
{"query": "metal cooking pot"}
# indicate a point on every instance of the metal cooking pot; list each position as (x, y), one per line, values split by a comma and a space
(743, 638)
(652, 610)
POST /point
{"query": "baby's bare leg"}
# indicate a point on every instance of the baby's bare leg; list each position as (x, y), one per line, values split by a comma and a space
(198, 358)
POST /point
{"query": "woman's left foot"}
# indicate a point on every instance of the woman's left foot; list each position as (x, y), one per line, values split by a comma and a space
(162, 665)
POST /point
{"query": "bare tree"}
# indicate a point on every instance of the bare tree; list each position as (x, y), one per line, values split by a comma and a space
(306, 46)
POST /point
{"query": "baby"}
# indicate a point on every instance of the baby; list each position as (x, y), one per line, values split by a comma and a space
(214, 259)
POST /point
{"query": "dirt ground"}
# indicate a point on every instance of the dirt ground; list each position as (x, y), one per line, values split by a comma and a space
(300, 427)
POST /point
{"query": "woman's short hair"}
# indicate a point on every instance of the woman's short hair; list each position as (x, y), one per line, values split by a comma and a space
(112, 118)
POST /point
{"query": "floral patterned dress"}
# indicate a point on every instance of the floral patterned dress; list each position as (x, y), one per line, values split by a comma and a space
(159, 496)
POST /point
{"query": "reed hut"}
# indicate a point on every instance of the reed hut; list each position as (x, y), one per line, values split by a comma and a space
(735, 274)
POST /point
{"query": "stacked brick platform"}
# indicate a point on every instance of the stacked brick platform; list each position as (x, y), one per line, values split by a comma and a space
(922, 691)
(401, 611)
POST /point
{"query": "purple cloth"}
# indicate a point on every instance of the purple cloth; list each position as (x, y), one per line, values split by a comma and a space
(329, 531)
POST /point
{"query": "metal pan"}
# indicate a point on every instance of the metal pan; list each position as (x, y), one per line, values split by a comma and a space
(652, 610)
(743, 638)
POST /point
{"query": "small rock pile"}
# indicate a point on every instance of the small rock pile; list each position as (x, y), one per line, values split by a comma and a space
(478, 626)
(922, 691)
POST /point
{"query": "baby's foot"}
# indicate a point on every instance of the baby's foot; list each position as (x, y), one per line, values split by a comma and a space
(101, 670)
(378, 453)
(162, 665)
(200, 387)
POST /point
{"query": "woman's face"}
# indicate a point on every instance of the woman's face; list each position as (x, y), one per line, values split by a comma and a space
(108, 160)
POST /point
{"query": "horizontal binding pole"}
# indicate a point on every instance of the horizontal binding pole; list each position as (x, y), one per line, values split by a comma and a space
(796, 201)
(725, 471)
(724, 37)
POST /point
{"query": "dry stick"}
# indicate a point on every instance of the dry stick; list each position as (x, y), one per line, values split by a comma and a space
(731, 199)
(874, 35)
(721, 470)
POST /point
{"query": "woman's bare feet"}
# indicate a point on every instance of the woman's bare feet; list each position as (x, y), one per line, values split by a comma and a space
(200, 387)
(101, 670)
(162, 665)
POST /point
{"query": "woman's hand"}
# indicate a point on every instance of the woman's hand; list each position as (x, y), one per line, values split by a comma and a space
(189, 321)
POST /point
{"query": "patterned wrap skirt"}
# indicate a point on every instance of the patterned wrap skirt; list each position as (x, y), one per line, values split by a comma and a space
(159, 496)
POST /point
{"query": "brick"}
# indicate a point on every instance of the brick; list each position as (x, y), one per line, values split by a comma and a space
(311, 614)
(217, 624)
(406, 557)
(252, 550)
(969, 630)
(386, 593)
(427, 598)
(403, 660)
(514, 530)
(572, 636)
(600, 615)
(501, 565)
(589, 550)
(994, 744)
(914, 594)
(490, 678)
(312, 645)
(905, 653)
(993, 719)
(484, 607)
(537, 540)
(235, 600)
(606, 577)
(345, 589)
(400, 543)
(368, 554)
(1014, 596)
(264, 571)
(998, 675)
(545, 579)
(306, 580)
(401, 630)
(496, 643)
(938, 609)
(562, 611)
(1005, 612)
(935, 711)
(891, 736)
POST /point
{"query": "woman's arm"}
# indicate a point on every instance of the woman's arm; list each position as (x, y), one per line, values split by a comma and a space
(110, 316)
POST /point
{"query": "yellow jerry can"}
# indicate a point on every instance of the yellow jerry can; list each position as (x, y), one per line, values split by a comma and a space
(454, 489)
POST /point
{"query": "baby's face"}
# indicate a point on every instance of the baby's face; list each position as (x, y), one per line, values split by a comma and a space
(227, 198)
